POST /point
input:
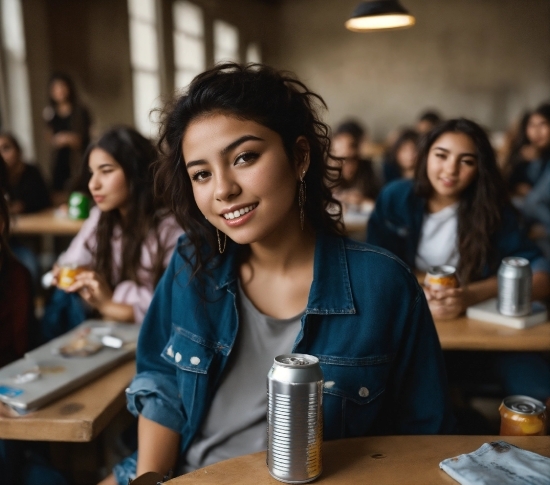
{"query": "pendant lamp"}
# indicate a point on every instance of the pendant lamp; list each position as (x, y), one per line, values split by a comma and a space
(379, 15)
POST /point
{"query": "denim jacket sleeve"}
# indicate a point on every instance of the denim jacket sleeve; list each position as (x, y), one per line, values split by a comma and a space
(420, 391)
(154, 391)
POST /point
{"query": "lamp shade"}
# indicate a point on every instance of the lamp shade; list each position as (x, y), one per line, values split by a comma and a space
(379, 15)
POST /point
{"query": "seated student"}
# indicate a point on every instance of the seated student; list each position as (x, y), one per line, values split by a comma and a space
(16, 298)
(401, 159)
(516, 156)
(262, 271)
(26, 188)
(427, 121)
(536, 204)
(124, 245)
(358, 186)
(21, 462)
(27, 193)
(456, 212)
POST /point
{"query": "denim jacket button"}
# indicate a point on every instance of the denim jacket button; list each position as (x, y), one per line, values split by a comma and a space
(195, 360)
(363, 392)
(329, 384)
(170, 351)
(178, 357)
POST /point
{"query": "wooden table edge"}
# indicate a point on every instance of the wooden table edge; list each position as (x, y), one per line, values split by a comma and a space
(50, 424)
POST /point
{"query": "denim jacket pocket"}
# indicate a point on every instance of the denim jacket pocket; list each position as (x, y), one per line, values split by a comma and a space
(189, 352)
(192, 355)
(351, 390)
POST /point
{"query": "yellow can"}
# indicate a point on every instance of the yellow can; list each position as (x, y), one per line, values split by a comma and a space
(67, 275)
(522, 416)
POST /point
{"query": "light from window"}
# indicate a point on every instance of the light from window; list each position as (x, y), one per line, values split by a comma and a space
(19, 117)
(144, 56)
(189, 51)
(226, 42)
(253, 53)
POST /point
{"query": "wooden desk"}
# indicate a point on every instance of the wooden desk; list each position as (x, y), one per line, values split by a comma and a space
(386, 460)
(468, 334)
(79, 416)
(45, 222)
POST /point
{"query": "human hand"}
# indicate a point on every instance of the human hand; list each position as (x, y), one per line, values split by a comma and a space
(446, 304)
(93, 288)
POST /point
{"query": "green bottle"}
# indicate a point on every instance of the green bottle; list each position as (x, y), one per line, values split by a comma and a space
(79, 206)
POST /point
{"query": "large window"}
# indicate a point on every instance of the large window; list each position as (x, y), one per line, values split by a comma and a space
(189, 52)
(16, 109)
(226, 42)
(144, 52)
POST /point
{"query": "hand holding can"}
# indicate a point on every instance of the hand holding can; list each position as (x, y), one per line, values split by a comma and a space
(67, 274)
(441, 278)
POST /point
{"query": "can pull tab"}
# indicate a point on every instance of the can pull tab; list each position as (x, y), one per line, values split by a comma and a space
(295, 361)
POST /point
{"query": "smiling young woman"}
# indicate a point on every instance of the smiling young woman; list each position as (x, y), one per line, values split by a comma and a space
(264, 270)
(456, 212)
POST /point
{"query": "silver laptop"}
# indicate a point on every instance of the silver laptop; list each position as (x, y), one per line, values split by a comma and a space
(66, 363)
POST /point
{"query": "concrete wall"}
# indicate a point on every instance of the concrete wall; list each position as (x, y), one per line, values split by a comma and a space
(485, 59)
(90, 41)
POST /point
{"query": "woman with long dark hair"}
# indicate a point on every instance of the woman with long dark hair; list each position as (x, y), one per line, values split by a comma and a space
(68, 127)
(263, 270)
(457, 212)
(126, 242)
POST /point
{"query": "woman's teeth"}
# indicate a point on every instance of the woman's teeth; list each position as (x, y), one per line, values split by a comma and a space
(239, 213)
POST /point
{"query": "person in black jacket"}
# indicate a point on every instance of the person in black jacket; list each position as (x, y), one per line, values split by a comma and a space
(27, 191)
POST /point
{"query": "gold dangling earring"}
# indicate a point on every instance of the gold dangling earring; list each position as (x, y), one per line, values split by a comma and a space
(220, 242)
(302, 199)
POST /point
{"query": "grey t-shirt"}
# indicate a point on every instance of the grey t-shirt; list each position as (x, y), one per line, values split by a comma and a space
(236, 423)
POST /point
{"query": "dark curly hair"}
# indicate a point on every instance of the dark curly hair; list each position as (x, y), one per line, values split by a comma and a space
(274, 99)
(481, 203)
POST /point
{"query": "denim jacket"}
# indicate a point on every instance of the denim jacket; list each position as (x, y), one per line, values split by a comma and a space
(366, 320)
(396, 225)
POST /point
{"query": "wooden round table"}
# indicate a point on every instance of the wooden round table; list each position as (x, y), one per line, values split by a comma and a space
(384, 460)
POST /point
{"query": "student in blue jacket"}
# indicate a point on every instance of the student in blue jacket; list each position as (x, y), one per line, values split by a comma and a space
(264, 270)
(456, 212)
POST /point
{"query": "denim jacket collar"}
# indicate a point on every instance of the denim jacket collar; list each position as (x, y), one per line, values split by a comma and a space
(330, 291)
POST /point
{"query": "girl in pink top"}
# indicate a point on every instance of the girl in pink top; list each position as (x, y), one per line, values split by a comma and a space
(124, 245)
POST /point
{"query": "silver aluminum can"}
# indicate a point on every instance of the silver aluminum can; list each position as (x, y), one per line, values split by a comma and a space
(295, 418)
(514, 287)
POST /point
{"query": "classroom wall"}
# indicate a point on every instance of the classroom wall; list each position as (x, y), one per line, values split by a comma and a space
(485, 59)
(90, 41)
